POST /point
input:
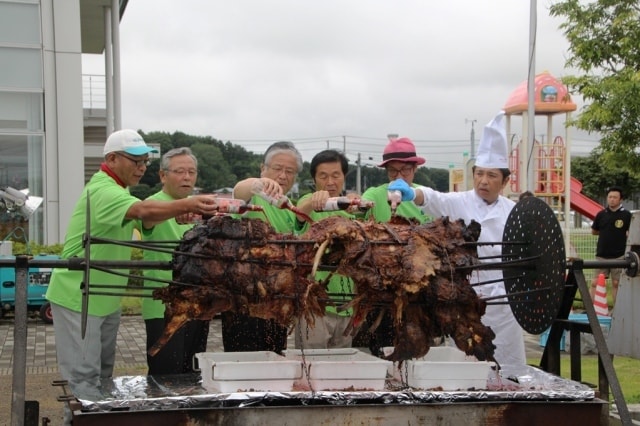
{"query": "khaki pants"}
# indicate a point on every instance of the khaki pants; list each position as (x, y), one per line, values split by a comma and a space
(85, 362)
(327, 333)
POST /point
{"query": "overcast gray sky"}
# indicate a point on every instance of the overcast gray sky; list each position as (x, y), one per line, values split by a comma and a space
(322, 73)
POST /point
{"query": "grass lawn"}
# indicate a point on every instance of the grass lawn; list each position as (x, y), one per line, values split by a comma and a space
(627, 370)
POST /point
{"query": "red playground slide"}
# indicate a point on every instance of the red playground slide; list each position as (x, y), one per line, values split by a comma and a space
(581, 203)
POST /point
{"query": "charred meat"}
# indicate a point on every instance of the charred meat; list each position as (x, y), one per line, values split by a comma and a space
(414, 271)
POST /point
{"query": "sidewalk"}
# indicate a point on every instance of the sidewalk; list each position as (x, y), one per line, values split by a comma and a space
(131, 346)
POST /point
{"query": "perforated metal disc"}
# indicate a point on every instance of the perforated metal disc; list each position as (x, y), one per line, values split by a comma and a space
(533, 222)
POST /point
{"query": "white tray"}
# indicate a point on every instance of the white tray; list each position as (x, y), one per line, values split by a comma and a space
(247, 371)
(340, 369)
(444, 367)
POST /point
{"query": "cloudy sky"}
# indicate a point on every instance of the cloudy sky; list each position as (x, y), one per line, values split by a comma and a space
(337, 73)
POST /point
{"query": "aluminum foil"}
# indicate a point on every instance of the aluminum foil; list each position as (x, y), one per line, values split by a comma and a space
(140, 393)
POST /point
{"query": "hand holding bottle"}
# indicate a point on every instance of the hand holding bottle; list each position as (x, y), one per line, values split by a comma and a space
(344, 203)
(406, 191)
(232, 205)
(270, 192)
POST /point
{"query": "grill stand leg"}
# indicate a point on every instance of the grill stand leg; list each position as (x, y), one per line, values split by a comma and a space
(550, 361)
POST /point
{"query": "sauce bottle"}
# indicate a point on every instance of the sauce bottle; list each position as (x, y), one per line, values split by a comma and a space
(233, 205)
(394, 198)
(344, 203)
(281, 202)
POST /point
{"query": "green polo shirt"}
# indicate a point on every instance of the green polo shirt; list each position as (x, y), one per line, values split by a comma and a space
(282, 220)
(381, 211)
(338, 284)
(109, 202)
(169, 230)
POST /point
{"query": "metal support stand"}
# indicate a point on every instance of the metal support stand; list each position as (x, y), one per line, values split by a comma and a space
(20, 345)
(550, 361)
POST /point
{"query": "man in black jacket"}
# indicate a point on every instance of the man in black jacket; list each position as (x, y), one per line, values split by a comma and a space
(611, 225)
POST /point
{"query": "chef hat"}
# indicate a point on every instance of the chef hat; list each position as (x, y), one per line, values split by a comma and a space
(492, 151)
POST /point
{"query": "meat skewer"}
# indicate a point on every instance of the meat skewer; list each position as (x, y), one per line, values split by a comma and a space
(418, 272)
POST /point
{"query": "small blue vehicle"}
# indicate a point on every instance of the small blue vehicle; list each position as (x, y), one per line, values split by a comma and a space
(37, 284)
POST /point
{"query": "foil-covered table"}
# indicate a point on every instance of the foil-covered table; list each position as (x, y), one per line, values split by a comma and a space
(517, 394)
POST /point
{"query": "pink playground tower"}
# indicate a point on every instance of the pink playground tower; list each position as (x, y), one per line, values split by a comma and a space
(549, 159)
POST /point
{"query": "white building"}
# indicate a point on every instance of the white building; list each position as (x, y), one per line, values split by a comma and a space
(46, 138)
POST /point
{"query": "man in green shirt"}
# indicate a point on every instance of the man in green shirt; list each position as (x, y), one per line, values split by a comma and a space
(178, 174)
(328, 170)
(281, 164)
(113, 213)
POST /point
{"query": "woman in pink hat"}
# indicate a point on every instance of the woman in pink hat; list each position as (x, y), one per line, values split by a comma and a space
(401, 162)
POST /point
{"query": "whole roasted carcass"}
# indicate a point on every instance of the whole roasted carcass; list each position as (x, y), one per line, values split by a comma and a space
(417, 272)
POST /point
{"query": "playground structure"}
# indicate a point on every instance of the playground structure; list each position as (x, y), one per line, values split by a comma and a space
(543, 167)
(550, 161)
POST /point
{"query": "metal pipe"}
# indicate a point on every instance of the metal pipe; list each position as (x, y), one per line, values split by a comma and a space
(20, 342)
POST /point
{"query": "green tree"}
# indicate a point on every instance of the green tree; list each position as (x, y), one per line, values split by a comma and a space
(243, 163)
(596, 179)
(142, 191)
(604, 36)
(214, 171)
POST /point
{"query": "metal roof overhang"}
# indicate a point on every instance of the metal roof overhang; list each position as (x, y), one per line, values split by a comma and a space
(92, 23)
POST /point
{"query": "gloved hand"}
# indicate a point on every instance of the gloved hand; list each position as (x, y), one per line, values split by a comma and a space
(408, 193)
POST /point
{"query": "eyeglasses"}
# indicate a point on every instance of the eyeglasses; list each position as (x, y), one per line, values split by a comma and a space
(403, 171)
(139, 163)
(277, 169)
(182, 172)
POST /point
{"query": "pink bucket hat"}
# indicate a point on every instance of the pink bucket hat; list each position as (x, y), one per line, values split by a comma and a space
(401, 149)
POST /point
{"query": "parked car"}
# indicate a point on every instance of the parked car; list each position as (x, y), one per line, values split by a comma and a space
(37, 284)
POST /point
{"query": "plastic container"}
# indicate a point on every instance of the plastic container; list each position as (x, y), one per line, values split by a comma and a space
(445, 368)
(345, 369)
(228, 372)
(545, 336)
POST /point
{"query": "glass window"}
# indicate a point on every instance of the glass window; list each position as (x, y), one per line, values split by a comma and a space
(21, 111)
(21, 68)
(19, 23)
(21, 165)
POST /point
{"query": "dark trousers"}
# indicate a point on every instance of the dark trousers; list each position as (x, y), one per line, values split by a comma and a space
(242, 333)
(176, 357)
(381, 337)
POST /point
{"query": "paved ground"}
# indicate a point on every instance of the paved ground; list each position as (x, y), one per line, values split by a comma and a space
(41, 353)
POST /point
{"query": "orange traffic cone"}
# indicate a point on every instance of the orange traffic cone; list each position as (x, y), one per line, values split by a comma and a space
(600, 298)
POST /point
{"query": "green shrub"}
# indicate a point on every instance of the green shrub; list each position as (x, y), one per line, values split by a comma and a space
(35, 249)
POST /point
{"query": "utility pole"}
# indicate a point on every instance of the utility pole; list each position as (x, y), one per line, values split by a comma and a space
(473, 137)
(358, 186)
(344, 144)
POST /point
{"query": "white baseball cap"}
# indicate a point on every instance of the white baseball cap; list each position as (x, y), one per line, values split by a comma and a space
(492, 150)
(127, 140)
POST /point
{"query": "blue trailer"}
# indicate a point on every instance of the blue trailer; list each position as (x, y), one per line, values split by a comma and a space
(38, 281)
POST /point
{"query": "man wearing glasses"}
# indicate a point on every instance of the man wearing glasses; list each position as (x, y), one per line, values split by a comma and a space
(401, 162)
(280, 166)
(178, 174)
(113, 213)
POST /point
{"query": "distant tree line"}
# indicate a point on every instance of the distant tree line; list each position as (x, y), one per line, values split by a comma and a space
(222, 164)
(597, 175)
